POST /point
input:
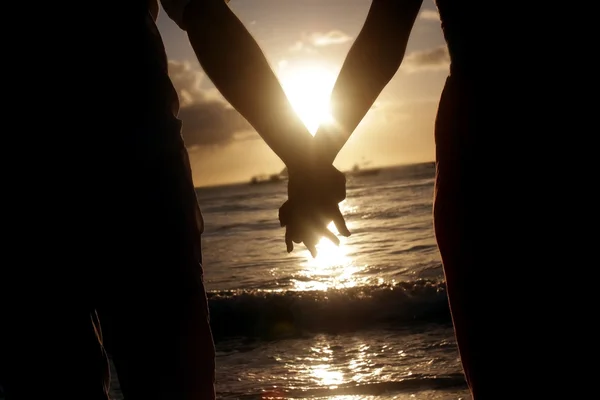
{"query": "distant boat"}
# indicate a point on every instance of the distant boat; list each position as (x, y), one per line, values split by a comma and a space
(273, 178)
(357, 171)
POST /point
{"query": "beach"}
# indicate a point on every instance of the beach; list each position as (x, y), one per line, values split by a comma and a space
(366, 320)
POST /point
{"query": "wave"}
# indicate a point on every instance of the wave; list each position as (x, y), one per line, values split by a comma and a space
(416, 382)
(232, 207)
(278, 314)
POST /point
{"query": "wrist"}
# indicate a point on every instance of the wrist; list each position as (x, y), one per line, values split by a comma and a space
(311, 165)
(328, 142)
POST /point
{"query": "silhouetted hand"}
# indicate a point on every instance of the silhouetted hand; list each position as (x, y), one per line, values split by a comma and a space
(313, 198)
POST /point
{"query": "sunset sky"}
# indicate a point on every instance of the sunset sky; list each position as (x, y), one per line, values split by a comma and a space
(306, 42)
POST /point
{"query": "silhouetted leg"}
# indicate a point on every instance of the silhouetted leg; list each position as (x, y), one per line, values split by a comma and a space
(155, 315)
(52, 350)
(461, 230)
(101, 358)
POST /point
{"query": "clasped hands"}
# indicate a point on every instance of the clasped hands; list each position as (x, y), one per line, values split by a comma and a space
(314, 194)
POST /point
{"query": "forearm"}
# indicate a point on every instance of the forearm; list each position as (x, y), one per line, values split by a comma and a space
(238, 68)
(372, 62)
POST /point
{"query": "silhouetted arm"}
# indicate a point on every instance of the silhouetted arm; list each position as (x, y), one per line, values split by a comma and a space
(371, 63)
(238, 68)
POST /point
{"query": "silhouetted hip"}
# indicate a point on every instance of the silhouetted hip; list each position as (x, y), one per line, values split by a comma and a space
(464, 226)
(128, 246)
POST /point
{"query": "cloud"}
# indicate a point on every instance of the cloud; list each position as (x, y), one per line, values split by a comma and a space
(208, 120)
(429, 15)
(329, 38)
(187, 82)
(210, 124)
(431, 59)
(400, 112)
(318, 39)
(413, 109)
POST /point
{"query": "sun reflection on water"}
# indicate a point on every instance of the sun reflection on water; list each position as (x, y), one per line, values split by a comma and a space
(327, 365)
(333, 268)
(326, 376)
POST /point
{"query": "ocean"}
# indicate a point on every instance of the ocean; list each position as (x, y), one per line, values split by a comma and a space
(366, 320)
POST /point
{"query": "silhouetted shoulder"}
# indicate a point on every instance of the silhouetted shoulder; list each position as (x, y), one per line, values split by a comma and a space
(174, 9)
(462, 31)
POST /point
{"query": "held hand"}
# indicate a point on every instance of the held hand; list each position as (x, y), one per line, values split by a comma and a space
(314, 195)
(307, 224)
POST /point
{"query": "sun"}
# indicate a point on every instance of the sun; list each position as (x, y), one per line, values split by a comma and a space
(308, 88)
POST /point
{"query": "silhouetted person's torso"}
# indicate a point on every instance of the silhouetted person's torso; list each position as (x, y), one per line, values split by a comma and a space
(462, 30)
(149, 102)
(105, 109)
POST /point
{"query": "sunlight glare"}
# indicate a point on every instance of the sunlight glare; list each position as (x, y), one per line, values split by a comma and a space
(308, 89)
(325, 375)
(333, 268)
(328, 254)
